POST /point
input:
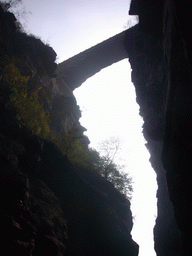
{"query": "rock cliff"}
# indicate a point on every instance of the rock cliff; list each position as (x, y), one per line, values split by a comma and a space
(50, 206)
(149, 77)
(163, 87)
(47, 205)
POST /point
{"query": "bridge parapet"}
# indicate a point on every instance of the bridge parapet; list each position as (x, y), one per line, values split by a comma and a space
(80, 67)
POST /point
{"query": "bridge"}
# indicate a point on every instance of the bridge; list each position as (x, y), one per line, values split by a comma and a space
(77, 69)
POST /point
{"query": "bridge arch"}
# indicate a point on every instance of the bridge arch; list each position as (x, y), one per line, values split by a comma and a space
(80, 67)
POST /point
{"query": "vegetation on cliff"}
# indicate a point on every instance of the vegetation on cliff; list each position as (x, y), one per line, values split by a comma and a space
(22, 90)
(45, 200)
(102, 163)
(29, 111)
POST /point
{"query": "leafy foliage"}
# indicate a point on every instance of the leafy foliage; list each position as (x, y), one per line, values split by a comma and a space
(121, 180)
(109, 149)
(78, 154)
(102, 164)
(29, 111)
(112, 172)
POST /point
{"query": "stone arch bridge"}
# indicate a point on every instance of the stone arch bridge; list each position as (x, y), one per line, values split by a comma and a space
(80, 67)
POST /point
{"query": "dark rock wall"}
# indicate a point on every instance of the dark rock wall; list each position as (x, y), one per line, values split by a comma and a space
(167, 236)
(177, 143)
(163, 86)
(45, 201)
(37, 61)
(48, 206)
(149, 77)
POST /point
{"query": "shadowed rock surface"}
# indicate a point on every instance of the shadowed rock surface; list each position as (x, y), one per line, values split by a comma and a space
(48, 206)
(51, 208)
(162, 78)
(37, 181)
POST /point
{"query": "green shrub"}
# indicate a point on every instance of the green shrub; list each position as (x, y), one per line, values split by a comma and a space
(91, 160)
(29, 111)
(77, 154)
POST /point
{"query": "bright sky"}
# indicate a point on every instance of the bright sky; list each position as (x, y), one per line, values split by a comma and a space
(107, 100)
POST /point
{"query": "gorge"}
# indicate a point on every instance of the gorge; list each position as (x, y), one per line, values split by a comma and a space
(50, 207)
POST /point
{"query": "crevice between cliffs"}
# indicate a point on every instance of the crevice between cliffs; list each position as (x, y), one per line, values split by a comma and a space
(109, 108)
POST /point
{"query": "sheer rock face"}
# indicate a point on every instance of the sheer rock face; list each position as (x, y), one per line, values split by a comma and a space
(149, 77)
(37, 61)
(160, 53)
(166, 72)
(47, 206)
(32, 221)
(177, 152)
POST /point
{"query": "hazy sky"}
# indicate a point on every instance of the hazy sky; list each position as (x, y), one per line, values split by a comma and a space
(108, 108)
(71, 26)
(107, 100)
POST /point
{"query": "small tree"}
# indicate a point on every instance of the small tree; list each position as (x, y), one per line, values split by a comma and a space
(105, 164)
(108, 150)
(102, 162)
(122, 181)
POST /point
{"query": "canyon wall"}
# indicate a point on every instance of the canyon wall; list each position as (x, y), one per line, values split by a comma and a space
(162, 77)
(149, 77)
(49, 206)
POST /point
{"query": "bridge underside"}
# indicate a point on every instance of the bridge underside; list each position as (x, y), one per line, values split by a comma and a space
(80, 67)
